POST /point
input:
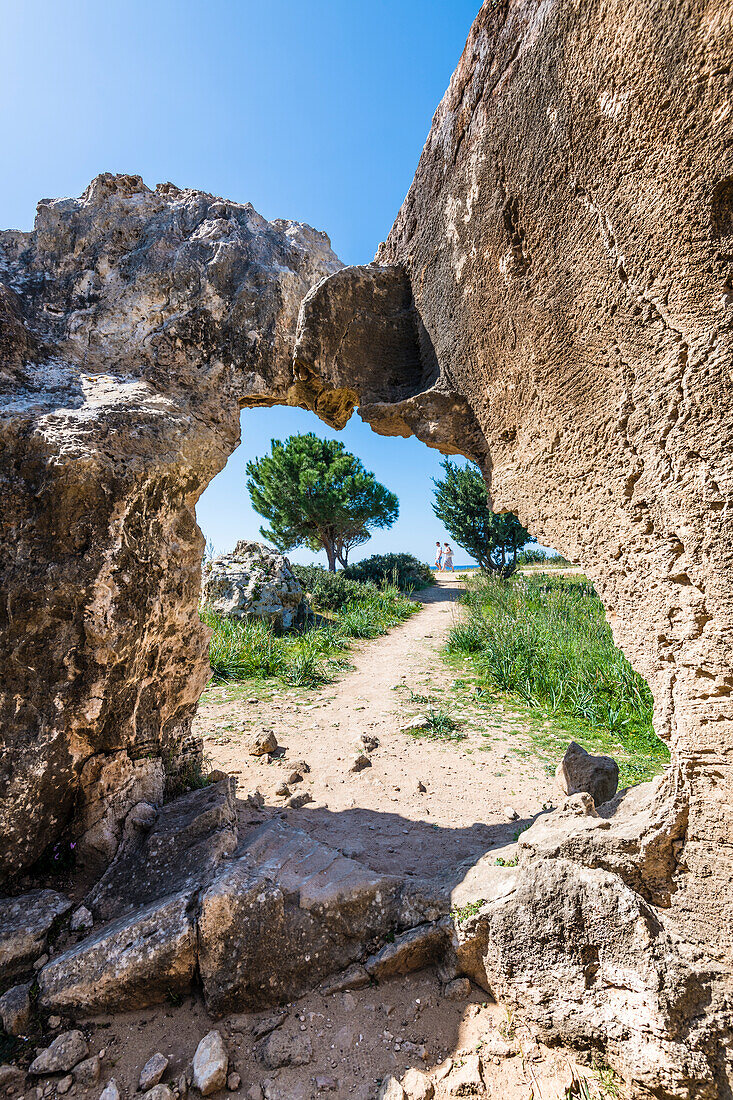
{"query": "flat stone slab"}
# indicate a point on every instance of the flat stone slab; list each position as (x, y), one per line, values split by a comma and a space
(25, 922)
(132, 962)
(188, 839)
(413, 950)
(283, 915)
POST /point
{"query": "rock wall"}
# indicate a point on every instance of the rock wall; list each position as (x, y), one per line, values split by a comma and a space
(568, 247)
(134, 324)
(559, 286)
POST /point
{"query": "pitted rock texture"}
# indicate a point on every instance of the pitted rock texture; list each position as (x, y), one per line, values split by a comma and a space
(562, 267)
(562, 272)
(255, 582)
(134, 324)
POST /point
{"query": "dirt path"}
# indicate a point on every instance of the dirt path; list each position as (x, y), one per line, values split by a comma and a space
(449, 831)
(425, 806)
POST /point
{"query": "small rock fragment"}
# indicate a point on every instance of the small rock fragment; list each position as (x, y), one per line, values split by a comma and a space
(354, 977)
(368, 742)
(581, 771)
(360, 762)
(458, 990)
(15, 1009)
(54, 1022)
(81, 920)
(255, 798)
(11, 1077)
(233, 1082)
(466, 1079)
(64, 1084)
(88, 1072)
(152, 1072)
(419, 722)
(210, 1064)
(40, 961)
(280, 1049)
(254, 1093)
(283, 791)
(110, 1091)
(262, 742)
(422, 789)
(182, 1084)
(391, 1089)
(65, 1052)
(268, 1023)
(417, 1085)
(510, 813)
(299, 800)
(326, 1084)
(159, 1092)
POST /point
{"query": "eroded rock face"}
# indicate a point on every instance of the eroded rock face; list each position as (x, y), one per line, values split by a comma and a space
(567, 246)
(133, 326)
(561, 276)
(255, 582)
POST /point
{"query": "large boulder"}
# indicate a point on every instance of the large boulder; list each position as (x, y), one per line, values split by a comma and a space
(255, 582)
(285, 913)
(25, 923)
(134, 325)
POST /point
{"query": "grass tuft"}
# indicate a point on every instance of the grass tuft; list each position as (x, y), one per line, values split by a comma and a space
(543, 641)
(246, 650)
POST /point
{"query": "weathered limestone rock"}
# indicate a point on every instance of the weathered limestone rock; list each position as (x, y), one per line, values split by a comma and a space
(589, 961)
(176, 852)
(417, 1085)
(133, 962)
(152, 1071)
(15, 1009)
(134, 324)
(412, 950)
(559, 277)
(255, 582)
(65, 1052)
(88, 1072)
(111, 785)
(210, 1064)
(581, 771)
(25, 922)
(284, 914)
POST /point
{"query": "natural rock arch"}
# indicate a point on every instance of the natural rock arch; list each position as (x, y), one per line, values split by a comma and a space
(554, 301)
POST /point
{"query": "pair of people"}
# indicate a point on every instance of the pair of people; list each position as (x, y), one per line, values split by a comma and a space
(444, 557)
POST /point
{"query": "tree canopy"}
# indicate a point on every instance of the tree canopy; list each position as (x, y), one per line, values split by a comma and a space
(314, 493)
(462, 505)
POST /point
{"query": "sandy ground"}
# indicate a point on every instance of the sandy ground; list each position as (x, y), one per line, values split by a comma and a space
(383, 817)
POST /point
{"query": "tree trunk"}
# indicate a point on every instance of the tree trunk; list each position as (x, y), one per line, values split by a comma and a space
(330, 554)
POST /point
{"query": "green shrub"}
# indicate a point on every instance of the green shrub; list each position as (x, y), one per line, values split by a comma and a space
(327, 591)
(252, 650)
(403, 570)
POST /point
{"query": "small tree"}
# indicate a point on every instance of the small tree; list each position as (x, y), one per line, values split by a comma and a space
(462, 505)
(314, 493)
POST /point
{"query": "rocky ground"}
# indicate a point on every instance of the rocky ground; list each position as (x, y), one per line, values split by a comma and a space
(423, 804)
(348, 773)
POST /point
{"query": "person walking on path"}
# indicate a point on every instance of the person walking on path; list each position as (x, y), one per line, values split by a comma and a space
(448, 558)
(438, 556)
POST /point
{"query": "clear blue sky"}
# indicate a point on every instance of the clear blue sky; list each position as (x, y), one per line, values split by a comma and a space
(312, 111)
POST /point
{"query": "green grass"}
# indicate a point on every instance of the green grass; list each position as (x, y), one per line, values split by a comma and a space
(308, 658)
(544, 644)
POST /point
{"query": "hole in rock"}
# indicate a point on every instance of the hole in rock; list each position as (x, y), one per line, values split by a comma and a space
(459, 714)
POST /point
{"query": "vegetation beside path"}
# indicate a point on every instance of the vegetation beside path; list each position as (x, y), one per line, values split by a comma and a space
(345, 609)
(542, 642)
